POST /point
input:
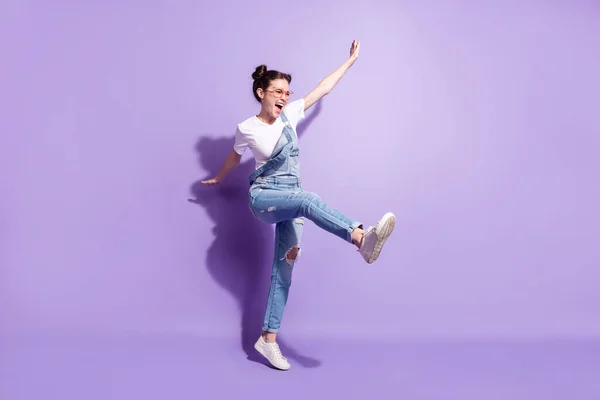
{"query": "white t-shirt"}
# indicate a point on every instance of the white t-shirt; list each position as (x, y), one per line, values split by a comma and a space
(261, 137)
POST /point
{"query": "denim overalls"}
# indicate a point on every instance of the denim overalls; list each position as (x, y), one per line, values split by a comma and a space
(276, 197)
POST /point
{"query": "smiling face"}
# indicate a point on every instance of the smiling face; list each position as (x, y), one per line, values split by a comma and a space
(274, 98)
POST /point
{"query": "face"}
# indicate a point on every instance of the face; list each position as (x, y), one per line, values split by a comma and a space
(275, 97)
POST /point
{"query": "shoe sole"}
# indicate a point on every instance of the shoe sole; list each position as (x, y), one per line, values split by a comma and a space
(259, 349)
(383, 230)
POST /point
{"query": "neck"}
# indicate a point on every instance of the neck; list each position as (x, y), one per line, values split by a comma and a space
(265, 117)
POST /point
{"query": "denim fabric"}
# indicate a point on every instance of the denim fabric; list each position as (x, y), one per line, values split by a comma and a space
(276, 197)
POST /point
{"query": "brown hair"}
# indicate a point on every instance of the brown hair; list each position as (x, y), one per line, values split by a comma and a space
(263, 77)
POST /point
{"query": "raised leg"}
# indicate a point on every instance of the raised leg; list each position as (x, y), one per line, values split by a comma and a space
(273, 206)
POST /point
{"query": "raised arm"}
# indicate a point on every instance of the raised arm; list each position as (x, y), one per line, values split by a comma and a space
(231, 161)
(329, 82)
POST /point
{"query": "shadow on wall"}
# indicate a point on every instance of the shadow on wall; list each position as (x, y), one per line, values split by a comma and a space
(241, 255)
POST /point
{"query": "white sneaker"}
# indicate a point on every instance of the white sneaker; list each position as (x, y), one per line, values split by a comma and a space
(375, 237)
(272, 353)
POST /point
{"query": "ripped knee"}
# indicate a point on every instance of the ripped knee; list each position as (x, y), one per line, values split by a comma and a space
(292, 254)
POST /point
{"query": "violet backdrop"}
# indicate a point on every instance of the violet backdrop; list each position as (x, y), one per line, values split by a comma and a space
(473, 122)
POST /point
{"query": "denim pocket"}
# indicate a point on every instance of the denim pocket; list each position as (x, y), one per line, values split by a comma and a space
(255, 190)
(252, 195)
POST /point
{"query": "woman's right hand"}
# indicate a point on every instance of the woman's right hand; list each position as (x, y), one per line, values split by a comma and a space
(231, 161)
(212, 181)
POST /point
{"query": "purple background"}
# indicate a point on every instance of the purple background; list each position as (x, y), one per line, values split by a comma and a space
(475, 123)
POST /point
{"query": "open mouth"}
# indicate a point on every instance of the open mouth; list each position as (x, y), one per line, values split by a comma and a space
(279, 105)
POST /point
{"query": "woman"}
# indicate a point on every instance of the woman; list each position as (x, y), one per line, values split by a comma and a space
(276, 195)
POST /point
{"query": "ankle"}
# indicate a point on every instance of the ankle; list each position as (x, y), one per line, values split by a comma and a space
(269, 337)
(357, 236)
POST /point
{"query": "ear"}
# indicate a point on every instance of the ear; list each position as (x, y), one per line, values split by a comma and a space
(261, 93)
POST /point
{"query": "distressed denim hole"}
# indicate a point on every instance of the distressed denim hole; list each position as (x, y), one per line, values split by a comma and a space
(292, 254)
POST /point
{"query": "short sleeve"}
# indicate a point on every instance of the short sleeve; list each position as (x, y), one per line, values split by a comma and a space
(241, 142)
(295, 111)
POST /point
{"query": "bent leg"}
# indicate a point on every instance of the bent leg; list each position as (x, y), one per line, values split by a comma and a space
(273, 206)
(288, 235)
(327, 217)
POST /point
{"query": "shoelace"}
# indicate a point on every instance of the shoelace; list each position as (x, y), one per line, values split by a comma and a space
(278, 351)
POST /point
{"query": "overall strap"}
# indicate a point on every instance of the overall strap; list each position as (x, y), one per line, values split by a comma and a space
(287, 127)
(278, 155)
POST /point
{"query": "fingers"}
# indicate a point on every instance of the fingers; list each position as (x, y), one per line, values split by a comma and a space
(354, 48)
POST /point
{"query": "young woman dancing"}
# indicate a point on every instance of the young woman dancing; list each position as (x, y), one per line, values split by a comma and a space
(276, 195)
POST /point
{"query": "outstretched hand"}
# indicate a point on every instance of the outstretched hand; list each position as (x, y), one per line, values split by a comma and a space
(354, 49)
(212, 181)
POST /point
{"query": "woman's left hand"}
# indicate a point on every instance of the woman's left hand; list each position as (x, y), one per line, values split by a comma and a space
(354, 50)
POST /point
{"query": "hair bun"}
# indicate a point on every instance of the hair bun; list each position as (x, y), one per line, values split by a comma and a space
(259, 72)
